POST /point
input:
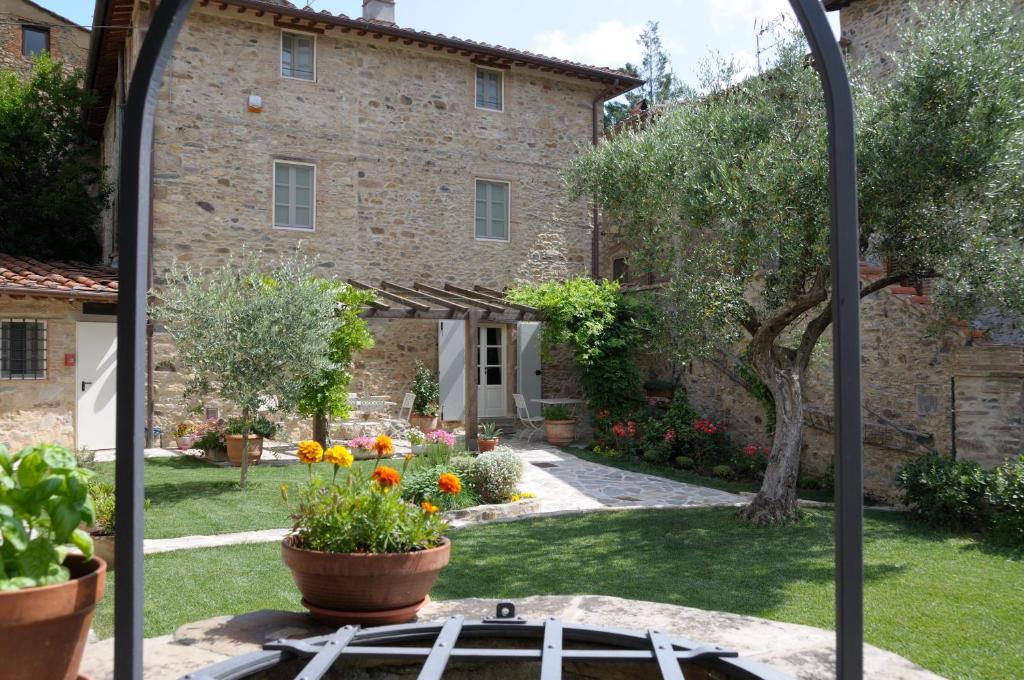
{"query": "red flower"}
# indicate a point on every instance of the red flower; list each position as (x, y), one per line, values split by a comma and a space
(670, 434)
(751, 449)
(705, 426)
(631, 428)
(601, 415)
(386, 476)
(767, 451)
(619, 430)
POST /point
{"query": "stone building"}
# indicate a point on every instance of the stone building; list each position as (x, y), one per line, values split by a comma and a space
(27, 28)
(928, 385)
(388, 153)
(56, 330)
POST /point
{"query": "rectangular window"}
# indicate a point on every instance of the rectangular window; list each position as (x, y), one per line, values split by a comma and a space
(489, 89)
(22, 349)
(294, 195)
(492, 210)
(298, 56)
(620, 270)
(34, 40)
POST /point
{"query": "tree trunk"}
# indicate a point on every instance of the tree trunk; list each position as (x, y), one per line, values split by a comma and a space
(320, 427)
(245, 449)
(775, 503)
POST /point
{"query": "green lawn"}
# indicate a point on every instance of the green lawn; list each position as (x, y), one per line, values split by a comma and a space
(948, 603)
(189, 496)
(635, 465)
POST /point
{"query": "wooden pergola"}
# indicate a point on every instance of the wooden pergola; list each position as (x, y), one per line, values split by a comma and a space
(476, 305)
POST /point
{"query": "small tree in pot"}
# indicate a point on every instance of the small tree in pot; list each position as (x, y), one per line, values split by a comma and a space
(259, 429)
(248, 335)
(427, 393)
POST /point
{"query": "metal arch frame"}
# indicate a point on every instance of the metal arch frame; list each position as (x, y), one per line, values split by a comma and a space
(134, 232)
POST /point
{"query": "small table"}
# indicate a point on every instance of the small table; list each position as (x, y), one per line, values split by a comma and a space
(559, 401)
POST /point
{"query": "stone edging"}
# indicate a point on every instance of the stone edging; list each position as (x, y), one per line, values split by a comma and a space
(478, 514)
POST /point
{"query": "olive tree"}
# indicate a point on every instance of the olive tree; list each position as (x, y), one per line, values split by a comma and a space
(250, 332)
(727, 194)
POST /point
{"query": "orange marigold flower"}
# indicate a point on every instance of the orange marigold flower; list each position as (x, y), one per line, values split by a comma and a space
(386, 476)
(429, 507)
(449, 484)
(338, 455)
(383, 446)
(310, 452)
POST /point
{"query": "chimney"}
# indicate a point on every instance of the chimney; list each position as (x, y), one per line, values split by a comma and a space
(380, 11)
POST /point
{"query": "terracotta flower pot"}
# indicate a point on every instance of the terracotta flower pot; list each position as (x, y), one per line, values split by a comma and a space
(43, 630)
(483, 445)
(235, 449)
(370, 589)
(560, 431)
(424, 424)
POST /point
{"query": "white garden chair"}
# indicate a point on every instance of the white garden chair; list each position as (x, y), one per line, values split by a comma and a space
(405, 412)
(532, 423)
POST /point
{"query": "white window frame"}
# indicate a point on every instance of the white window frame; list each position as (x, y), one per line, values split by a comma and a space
(280, 66)
(273, 198)
(508, 210)
(501, 73)
(45, 350)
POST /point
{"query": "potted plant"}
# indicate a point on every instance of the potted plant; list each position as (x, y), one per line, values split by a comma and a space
(559, 425)
(427, 392)
(210, 437)
(47, 593)
(359, 553)
(488, 438)
(259, 429)
(183, 435)
(362, 448)
(417, 441)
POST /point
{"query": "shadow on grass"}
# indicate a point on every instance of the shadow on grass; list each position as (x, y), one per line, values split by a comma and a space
(706, 558)
(175, 492)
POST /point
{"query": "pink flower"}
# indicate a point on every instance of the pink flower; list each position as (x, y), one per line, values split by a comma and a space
(619, 430)
(441, 437)
(705, 426)
(365, 443)
(751, 449)
(670, 434)
(631, 428)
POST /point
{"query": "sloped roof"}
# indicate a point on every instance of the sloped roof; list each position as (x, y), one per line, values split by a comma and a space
(27, 276)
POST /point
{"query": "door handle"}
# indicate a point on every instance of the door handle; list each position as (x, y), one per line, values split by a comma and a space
(537, 372)
(85, 383)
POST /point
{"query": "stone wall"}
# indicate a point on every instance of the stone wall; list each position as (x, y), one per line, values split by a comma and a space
(68, 44)
(397, 143)
(34, 411)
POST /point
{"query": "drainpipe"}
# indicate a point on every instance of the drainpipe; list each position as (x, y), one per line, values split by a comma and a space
(596, 111)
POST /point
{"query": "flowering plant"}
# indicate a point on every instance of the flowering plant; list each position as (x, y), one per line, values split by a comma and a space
(441, 437)
(184, 428)
(362, 511)
(365, 443)
(209, 435)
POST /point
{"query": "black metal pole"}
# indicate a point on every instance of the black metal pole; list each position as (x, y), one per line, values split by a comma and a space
(845, 251)
(133, 248)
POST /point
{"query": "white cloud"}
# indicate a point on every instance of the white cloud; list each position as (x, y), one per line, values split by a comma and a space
(611, 43)
(738, 14)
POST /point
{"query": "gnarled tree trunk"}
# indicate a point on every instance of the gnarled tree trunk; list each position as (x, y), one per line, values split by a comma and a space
(320, 426)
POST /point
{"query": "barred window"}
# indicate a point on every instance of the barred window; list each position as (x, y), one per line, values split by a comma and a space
(22, 349)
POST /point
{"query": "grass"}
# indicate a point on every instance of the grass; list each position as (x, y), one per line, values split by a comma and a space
(948, 603)
(679, 475)
(190, 496)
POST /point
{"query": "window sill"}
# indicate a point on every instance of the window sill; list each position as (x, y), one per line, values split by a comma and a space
(308, 230)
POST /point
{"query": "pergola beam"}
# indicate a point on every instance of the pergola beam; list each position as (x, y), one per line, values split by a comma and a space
(426, 296)
(488, 291)
(413, 305)
(480, 304)
(479, 295)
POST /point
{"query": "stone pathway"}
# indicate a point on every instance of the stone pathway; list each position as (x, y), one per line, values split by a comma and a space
(561, 482)
(800, 651)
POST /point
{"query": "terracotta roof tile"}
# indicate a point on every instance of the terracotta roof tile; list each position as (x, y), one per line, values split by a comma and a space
(24, 275)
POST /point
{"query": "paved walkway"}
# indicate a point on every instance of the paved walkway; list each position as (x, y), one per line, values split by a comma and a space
(561, 482)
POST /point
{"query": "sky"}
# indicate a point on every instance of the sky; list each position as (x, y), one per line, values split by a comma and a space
(597, 32)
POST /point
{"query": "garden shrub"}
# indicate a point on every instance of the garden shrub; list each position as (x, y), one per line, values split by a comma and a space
(1006, 501)
(723, 471)
(944, 492)
(684, 462)
(496, 475)
(420, 484)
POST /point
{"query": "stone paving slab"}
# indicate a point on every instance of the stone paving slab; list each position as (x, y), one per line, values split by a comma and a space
(804, 652)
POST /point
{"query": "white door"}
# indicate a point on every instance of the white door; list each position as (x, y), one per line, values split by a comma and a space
(96, 385)
(491, 381)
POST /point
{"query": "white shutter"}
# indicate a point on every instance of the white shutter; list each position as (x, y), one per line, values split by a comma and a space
(528, 363)
(451, 365)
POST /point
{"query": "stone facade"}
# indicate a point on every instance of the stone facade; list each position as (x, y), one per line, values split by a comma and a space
(34, 411)
(397, 144)
(68, 44)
